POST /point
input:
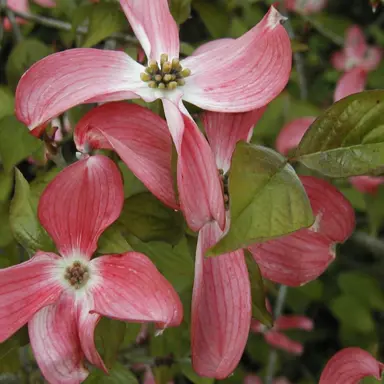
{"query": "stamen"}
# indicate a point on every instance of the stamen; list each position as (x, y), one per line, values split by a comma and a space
(77, 275)
(166, 74)
(167, 78)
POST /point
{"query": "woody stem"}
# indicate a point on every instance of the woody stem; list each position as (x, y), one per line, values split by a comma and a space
(281, 296)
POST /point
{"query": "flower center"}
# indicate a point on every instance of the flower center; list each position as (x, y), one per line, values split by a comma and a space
(224, 180)
(166, 76)
(77, 275)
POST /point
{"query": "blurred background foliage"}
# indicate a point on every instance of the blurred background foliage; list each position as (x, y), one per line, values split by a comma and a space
(346, 302)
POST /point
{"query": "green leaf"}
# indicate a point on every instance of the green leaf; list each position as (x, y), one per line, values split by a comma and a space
(131, 332)
(259, 310)
(175, 263)
(213, 16)
(23, 55)
(112, 240)
(23, 219)
(355, 197)
(375, 210)
(132, 185)
(180, 10)
(7, 102)
(190, 374)
(16, 143)
(148, 219)
(267, 199)
(40, 183)
(348, 138)
(9, 356)
(172, 343)
(298, 47)
(6, 235)
(104, 19)
(117, 375)
(363, 288)
(6, 183)
(9, 352)
(109, 336)
(343, 306)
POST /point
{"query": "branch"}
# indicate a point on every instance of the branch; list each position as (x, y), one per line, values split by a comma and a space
(277, 313)
(12, 19)
(375, 245)
(298, 59)
(64, 26)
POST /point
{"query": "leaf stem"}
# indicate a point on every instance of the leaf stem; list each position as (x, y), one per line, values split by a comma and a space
(17, 35)
(298, 59)
(281, 296)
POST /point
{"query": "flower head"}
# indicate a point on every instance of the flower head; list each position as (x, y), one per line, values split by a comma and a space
(63, 297)
(262, 58)
(356, 52)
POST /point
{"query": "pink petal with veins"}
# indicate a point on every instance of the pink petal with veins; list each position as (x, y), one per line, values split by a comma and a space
(55, 343)
(140, 137)
(211, 45)
(245, 74)
(80, 203)
(132, 289)
(65, 79)
(200, 190)
(349, 366)
(224, 130)
(26, 288)
(154, 27)
(221, 308)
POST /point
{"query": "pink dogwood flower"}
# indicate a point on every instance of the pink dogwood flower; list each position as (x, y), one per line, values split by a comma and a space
(23, 6)
(349, 366)
(262, 58)
(275, 338)
(356, 60)
(221, 301)
(305, 6)
(62, 298)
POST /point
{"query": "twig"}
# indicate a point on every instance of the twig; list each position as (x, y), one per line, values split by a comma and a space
(375, 245)
(338, 40)
(298, 59)
(63, 25)
(15, 27)
(277, 312)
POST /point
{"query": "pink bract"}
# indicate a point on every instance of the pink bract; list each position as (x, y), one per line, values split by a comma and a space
(349, 366)
(356, 52)
(63, 297)
(262, 57)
